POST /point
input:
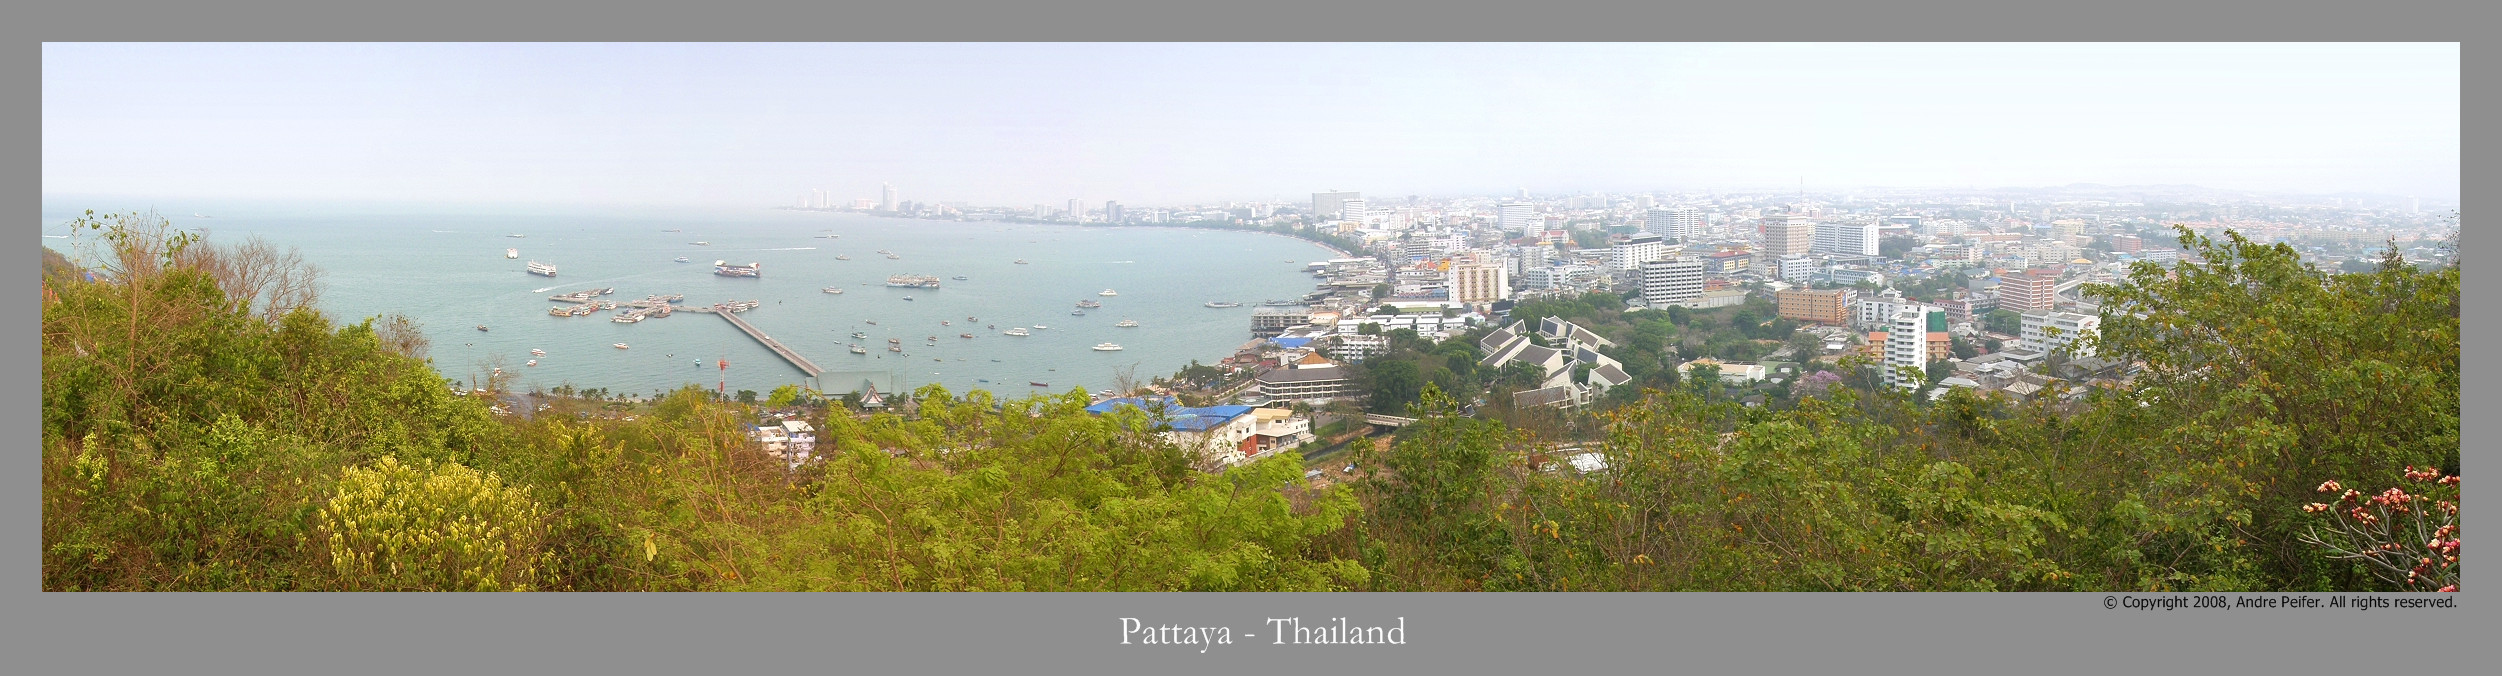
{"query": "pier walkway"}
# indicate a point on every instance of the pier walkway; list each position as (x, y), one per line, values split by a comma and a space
(776, 346)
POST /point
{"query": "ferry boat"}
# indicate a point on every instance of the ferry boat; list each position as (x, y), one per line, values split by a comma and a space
(912, 281)
(510, 254)
(683, 259)
(620, 346)
(725, 269)
(1016, 331)
(1107, 347)
(538, 352)
(1089, 303)
(1108, 292)
(857, 349)
(833, 289)
(542, 269)
(842, 257)
(1223, 304)
(1127, 323)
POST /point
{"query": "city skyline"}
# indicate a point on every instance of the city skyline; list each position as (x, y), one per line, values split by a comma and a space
(754, 125)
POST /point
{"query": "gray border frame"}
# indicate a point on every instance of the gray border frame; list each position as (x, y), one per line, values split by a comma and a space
(2005, 633)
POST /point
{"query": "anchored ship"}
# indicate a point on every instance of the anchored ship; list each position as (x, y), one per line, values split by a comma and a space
(542, 269)
(912, 281)
(725, 269)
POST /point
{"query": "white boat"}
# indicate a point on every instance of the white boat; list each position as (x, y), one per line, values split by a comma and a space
(857, 349)
(1017, 331)
(1020, 261)
(512, 254)
(1108, 292)
(833, 289)
(538, 352)
(532, 362)
(1039, 327)
(702, 243)
(683, 259)
(514, 236)
(1223, 304)
(1127, 323)
(543, 269)
(841, 257)
(620, 346)
(1080, 313)
(1107, 347)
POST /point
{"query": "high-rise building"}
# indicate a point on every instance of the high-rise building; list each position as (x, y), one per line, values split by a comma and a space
(1795, 268)
(1112, 212)
(2127, 243)
(2028, 291)
(1520, 217)
(887, 203)
(1634, 252)
(1077, 210)
(1480, 283)
(1327, 206)
(1788, 234)
(1830, 307)
(1907, 348)
(1672, 281)
(1846, 239)
(1680, 224)
(1353, 209)
(2051, 332)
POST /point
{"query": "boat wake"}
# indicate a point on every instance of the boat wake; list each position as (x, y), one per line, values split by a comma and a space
(545, 290)
(1118, 262)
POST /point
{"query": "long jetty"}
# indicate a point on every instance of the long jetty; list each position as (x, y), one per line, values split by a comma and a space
(776, 346)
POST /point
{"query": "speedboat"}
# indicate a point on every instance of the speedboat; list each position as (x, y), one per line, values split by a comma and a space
(1040, 327)
(1017, 331)
(538, 352)
(1127, 323)
(1108, 292)
(1106, 347)
(620, 346)
(683, 259)
(833, 289)
(482, 327)
(532, 362)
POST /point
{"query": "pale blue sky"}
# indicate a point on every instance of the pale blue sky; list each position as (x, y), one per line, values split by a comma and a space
(758, 125)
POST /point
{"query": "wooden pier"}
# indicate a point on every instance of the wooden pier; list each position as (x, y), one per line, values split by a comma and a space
(776, 346)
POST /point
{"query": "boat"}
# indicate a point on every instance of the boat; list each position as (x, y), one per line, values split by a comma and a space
(620, 346)
(859, 334)
(933, 339)
(841, 257)
(512, 253)
(833, 289)
(515, 236)
(943, 322)
(1017, 331)
(1106, 347)
(1223, 304)
(964, 335)
(1080, 313)
(893, 257)
(1039, 327)
(993, 326)
(970, 318)
(1108, 292)
(857, 349)
(532, 362)
(683, 259)
(871, 322)
(542, 269)
(1029, 382)
(894, 348)
(723, 268)
(538, 353)
(1089, 303)
(894, 340)
(912, 281)
(1127, 323)
(907, 298)
(482, 327)
(701, 243)
(962, 278)
(1281, 303)
(1021, 261)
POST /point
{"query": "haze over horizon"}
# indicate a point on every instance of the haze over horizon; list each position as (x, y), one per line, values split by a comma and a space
(762, 124)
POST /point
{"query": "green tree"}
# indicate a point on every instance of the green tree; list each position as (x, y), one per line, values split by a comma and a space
(2003, 322)
(783, 396)
(395, 527)
(747, 396)
(1395, 384)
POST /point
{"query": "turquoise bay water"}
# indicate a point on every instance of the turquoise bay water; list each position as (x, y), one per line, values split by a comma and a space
(448, 272)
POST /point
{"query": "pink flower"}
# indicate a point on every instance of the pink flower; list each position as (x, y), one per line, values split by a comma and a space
(2329, 485)
(2450, 588)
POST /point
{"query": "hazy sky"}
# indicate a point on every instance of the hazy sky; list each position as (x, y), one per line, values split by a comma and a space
(1023, 124)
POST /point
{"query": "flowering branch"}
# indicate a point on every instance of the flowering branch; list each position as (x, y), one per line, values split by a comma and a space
(2407, 539)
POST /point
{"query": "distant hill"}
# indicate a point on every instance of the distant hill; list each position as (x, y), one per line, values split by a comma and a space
(54, 262)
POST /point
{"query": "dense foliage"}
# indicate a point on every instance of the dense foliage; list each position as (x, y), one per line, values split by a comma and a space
(194, 442)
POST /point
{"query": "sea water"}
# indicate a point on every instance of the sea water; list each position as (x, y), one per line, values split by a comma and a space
(446, 269)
